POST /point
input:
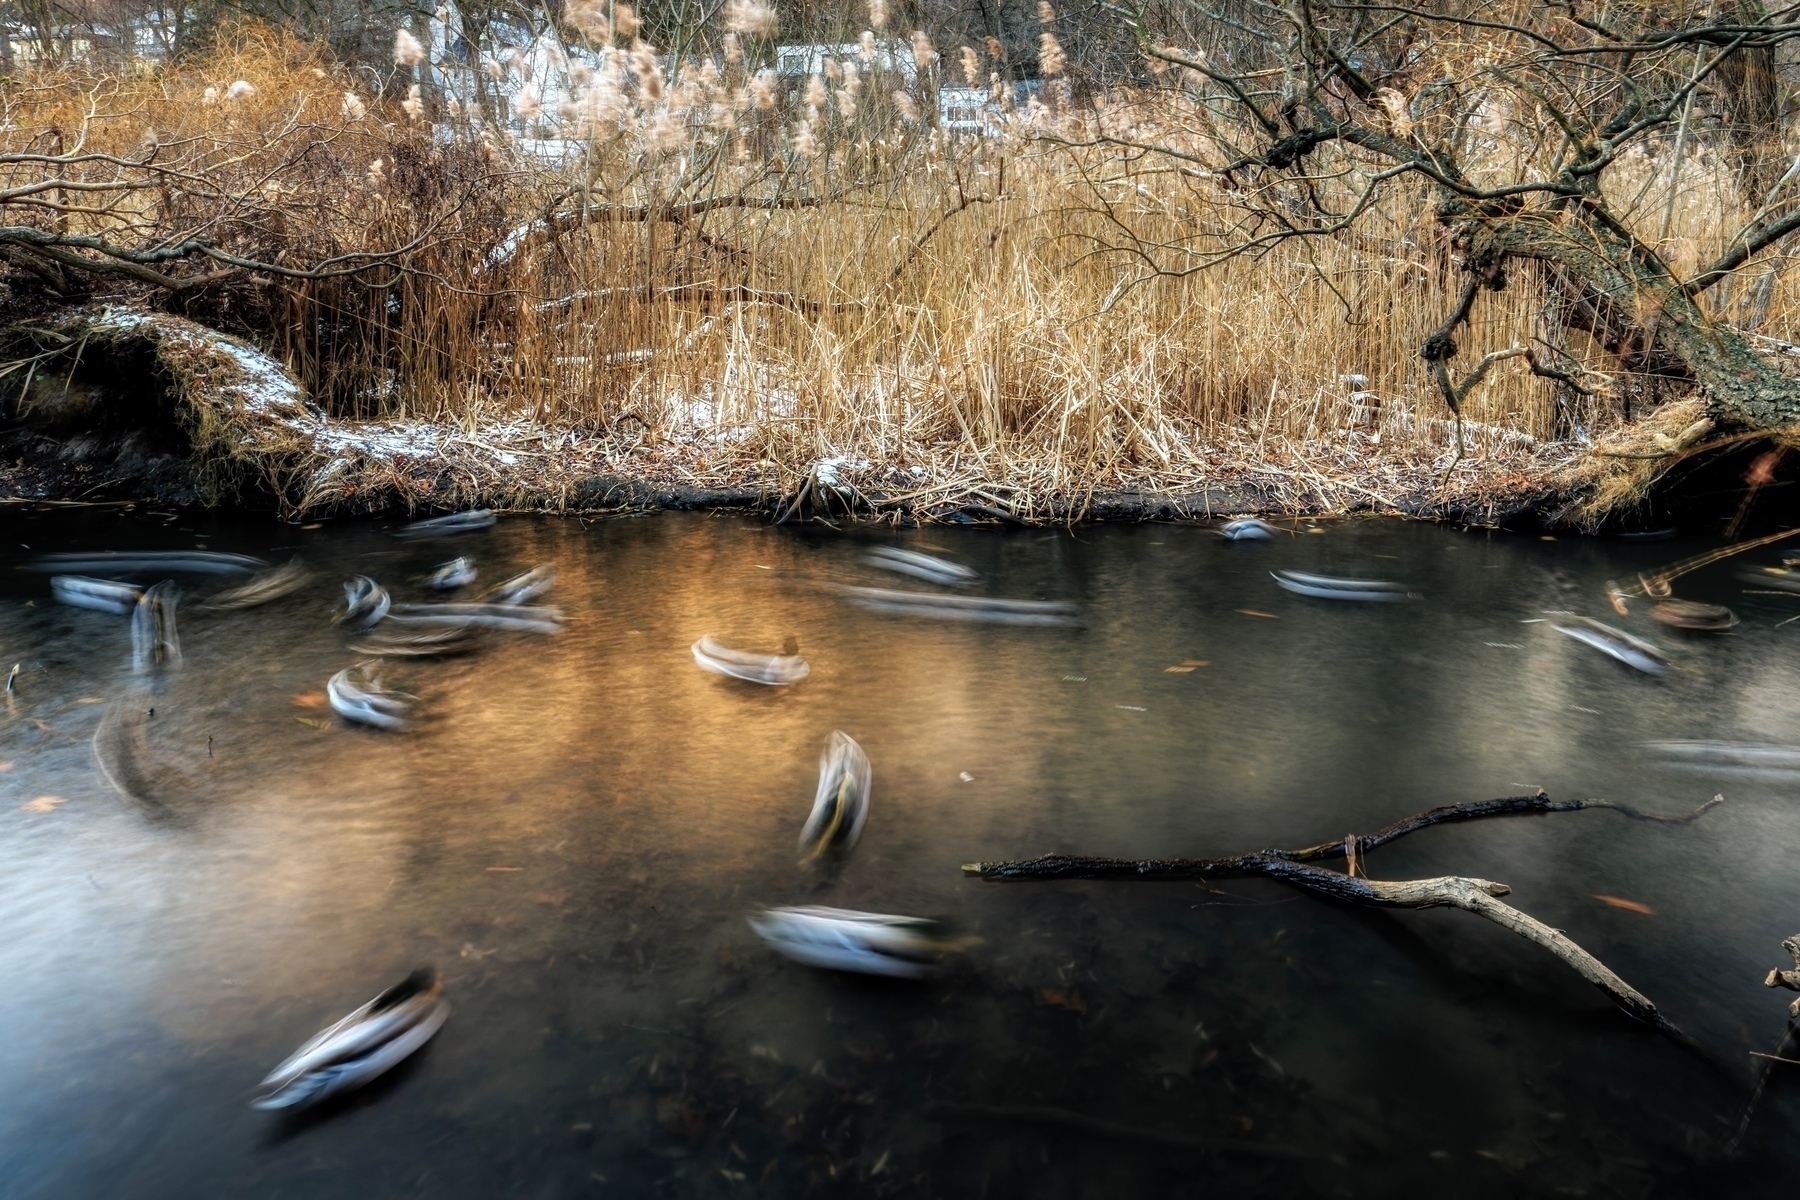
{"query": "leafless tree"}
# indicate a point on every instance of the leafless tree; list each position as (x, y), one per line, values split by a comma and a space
(1521, 124)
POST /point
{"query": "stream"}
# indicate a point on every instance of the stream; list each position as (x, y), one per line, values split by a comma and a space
(577, 825)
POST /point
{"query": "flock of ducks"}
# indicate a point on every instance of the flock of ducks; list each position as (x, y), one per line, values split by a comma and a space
(155, 642)
(436, 630)
(844, 939)
(388, 1029)
(385, 1031)
(1616, 643)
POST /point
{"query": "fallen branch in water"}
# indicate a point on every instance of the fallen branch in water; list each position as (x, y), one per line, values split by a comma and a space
(1294, 867)
(1788, 979)
(1775, 979)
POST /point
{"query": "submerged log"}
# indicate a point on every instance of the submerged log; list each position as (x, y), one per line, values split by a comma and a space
(1295, 868)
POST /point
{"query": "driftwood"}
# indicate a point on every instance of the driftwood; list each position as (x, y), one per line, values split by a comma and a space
(1296, 868)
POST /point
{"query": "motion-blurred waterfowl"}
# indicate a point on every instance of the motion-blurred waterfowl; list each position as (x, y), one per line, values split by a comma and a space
(776, 670)
(1691, 614)
(1774, 763)
(154, 642)
(1332, 587)
(101, 595)
(371, 1040)
(365, 603)
(522, 588)
(944, 607)
(1780, 579)
(432, 641)
(1615, 643)
(270, 585)
(841, 801)
(1248, 529)
(458, 572)
(867, 943)
(364, 701)
(159, 562)
(518, 618)
(920, 566)
(462, 522)
(120, 751)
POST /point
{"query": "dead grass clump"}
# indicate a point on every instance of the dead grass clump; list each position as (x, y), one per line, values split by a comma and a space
(1618, 474)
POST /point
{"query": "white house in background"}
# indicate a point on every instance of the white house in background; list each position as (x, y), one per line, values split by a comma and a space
(541, 61)
(802, 61)
(968, 111)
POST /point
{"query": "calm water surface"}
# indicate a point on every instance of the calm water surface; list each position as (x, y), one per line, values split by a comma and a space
(577, 828)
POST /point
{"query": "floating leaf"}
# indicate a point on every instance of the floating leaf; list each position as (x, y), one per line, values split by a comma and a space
(1628, 905)
(1251, 612)
(314, 722)
(310, 699)
(1058, 998)
(42, 804)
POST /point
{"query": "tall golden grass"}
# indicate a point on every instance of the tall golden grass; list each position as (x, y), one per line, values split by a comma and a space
(959, 305)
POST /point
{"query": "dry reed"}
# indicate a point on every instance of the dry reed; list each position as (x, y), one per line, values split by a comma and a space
(970, 315)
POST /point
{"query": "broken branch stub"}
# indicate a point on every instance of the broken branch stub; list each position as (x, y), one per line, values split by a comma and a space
(1478, 896)
(1788, 979)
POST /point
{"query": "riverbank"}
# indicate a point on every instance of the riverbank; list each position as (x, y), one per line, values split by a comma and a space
(588, 474)
(164, 410)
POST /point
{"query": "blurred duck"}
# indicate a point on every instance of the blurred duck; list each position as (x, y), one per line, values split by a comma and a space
(1249, 529)
(920, 566)
(1614, 643)
(1777, 764)
(776, 670)
(365, 603)
(262, 588)
(152, 562)
(1691, 614)
(101, 595)
(841, 803)
(371, 1040)
(520, 618)
(941, 606)
(1331, 587)
(458, 572)
(429, 642)
(1785, 579)
(867, 943)
(365, 702)
(522, 588)
(153, 639)
(462, 522)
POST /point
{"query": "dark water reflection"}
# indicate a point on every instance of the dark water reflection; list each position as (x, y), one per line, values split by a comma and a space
(578, 827)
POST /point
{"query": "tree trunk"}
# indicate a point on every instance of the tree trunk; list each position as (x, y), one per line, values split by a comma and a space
(1740, 385)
